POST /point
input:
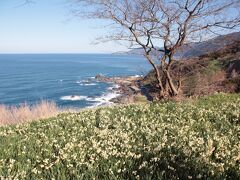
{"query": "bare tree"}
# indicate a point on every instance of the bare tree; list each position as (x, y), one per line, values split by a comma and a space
(169, 24)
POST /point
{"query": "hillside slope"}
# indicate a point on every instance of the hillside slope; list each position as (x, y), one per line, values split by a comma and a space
(199, 48)
(218, 71)
(196, 140)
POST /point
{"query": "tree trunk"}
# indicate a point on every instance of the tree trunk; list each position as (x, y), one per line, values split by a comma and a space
(159, 79)
(174, 90)
(165, 83)
(158, 76)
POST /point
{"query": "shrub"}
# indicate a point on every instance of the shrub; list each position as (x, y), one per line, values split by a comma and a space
(26, 113)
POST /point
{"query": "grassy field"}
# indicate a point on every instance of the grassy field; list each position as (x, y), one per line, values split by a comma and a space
(191, 140)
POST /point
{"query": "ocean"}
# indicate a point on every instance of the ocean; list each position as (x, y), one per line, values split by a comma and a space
(66, 79)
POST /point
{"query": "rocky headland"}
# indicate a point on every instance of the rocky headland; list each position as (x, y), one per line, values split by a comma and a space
(128, 87)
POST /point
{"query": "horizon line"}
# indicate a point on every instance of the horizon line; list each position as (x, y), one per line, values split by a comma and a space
(17, 53)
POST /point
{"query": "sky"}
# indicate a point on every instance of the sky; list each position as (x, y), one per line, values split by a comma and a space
(48, 26)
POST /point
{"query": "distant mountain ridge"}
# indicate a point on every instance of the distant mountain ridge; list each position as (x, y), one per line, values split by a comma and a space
(198, 49)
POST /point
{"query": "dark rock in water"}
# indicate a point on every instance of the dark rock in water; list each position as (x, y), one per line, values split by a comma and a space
(102, 78)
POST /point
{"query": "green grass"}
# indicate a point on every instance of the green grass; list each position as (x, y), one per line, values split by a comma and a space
(197, 139)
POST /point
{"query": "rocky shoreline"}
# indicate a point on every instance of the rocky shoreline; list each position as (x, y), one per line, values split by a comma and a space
(128, 87)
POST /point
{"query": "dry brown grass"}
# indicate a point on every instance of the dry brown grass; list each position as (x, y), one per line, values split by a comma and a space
(26, 113)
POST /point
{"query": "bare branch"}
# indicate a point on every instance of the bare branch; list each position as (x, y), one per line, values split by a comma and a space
(164, 25)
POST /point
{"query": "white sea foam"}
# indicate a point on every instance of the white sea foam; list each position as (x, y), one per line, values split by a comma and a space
(104, 99)
(73, 98)
(87, 84)
(137, 76)
(115, 86)
(82, 81)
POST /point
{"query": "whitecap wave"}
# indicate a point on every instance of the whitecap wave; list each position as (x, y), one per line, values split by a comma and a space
(73, 98)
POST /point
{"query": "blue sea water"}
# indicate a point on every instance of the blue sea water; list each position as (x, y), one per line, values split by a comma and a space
(67, 79)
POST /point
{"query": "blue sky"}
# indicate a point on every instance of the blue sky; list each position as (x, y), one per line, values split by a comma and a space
(48, 26)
